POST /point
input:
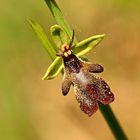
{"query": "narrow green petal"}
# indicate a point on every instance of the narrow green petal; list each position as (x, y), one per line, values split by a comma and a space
(54, 69)
(43, 38)
(59, 36)
(87, 45)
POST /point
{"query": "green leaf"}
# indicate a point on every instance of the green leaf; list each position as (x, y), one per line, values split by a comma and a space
(59, 17)
(43, 38)
(59, 36)
(54, 69)
(87, 45)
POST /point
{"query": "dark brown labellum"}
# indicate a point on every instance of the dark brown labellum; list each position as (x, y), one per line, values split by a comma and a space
(89, 89)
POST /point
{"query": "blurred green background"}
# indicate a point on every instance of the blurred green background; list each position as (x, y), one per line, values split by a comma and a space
(32, 109)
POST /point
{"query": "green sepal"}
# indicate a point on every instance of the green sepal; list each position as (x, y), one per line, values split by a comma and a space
(80, 49)
(87, 45)
(54, 69)
(50, 49)
(59, 36)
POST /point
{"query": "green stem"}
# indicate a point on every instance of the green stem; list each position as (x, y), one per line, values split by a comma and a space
(105, 110)
(112, 122)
